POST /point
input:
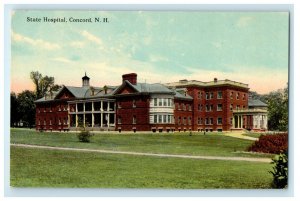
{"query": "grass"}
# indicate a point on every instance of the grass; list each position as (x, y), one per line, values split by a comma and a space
(52, 168)
(211, 144)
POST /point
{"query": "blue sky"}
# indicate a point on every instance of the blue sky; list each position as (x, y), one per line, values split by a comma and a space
(250, 47)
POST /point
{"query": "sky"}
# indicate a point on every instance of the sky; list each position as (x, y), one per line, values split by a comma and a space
(161, 47)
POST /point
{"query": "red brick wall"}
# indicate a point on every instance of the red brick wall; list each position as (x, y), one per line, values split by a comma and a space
(226, 101)
(181, 112)
(52, 111)
(127, 111)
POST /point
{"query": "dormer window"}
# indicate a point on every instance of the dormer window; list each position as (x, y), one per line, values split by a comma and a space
(133, 103)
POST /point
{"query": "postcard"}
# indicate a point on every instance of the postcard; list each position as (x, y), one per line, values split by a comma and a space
(149, 99)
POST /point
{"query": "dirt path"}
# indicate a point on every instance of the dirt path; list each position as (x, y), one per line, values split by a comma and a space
(240, 135)
(264, 160)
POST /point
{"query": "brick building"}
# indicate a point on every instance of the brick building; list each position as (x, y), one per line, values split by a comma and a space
(219, 105)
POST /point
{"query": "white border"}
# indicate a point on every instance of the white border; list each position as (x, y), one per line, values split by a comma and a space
(137, 192)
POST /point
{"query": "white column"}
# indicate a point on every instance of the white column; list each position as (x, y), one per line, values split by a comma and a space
(233, 121)
(83, 114)
(108, 120)
(92, 119)
(101, 117)
(101, 106)
(108, 106)
(76, 108)
(241, 121)
(93, 106)
(76, 118)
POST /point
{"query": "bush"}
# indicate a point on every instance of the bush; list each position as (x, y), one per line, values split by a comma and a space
(280, 171)
(275, 143)
(84, 136)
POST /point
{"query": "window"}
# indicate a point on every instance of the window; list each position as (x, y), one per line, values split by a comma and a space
(244, 96)
(165, 119)
(183, 107)
(219, 120)
(190, 120)
(244, 107)
(220, 95)
(199, 120)
(238, 107)
(59, 109)
(219, 107)
(178, 106)
(169, 102)
(211, 120)
(165, 102)
(211, 95)
(231, 121)
(237, 96)
(207, 95)
(169, 118)
(155, 118)
(231, 95)
(133, 103)
(179, 120)
(155, 101)
(207, 108)
(190, 108)
(199, 107)
(119, 120)
(50, 109)
(38, 110)
(211, 108)
(159, 102)
(231, 107)
(39, 122)
(134, 119)
(184, 120)
(59, 121)
(199, 95)
(206, 121)
(119, 105)
(159, 118)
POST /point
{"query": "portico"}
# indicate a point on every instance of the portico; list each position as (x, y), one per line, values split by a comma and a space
(96, 114)
(250, 119)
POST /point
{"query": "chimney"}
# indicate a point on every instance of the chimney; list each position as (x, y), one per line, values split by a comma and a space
(215, 79)
(131, 77)
(85, 81)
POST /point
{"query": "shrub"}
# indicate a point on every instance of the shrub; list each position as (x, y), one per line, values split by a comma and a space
(275, 143)
(84, 136)
(280, 171)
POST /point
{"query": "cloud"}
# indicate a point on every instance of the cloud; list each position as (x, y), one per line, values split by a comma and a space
(91, 37)
(34, 42)
(77, 44)
(157, 58)
(62, 59)
(244, 21)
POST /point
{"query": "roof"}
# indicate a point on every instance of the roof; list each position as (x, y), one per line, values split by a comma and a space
(185, 83)
(256, 103)
(81, 92)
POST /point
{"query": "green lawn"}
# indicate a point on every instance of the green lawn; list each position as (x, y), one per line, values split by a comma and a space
(211, 144)
(52, 168)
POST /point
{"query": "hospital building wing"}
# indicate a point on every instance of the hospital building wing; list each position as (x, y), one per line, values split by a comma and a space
(187, 105)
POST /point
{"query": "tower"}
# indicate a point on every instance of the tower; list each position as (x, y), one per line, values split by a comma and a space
(85, 81)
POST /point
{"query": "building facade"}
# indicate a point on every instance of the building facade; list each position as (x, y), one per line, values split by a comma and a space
(219, 105)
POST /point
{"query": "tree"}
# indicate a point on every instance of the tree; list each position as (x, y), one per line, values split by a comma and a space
(278, 109)
(43, 84)
(26, 107)
(14, 114)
